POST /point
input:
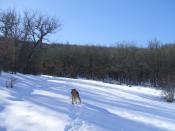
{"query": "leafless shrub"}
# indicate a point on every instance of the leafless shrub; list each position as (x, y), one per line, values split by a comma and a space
(169, 93)
(10, 82)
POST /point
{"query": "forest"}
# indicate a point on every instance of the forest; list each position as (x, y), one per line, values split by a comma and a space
(24, 50)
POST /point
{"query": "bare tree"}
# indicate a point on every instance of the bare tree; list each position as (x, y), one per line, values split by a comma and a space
(10, 24)
(32, 27)
(36, 28)
(10, 27)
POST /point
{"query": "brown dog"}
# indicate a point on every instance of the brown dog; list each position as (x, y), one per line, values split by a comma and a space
(75, 96)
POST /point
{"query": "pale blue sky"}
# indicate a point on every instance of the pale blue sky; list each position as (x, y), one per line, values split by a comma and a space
(106, 21)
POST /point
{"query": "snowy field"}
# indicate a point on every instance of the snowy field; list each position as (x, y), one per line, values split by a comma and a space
(42, 103)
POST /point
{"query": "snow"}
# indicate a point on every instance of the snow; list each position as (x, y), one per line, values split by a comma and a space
(43, 103)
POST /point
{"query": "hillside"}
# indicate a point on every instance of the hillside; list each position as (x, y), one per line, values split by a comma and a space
(42, 103)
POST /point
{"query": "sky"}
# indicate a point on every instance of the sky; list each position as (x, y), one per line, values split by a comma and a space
(105, 22)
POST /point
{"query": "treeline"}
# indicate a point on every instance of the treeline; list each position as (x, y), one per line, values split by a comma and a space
(22, 50)
(125, 63)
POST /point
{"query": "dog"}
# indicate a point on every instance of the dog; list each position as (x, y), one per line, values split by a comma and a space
(75, 97)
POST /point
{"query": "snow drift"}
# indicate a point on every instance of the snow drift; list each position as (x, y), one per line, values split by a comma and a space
(38, 103)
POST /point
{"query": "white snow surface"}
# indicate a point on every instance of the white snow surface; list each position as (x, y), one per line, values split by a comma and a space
(43, 103)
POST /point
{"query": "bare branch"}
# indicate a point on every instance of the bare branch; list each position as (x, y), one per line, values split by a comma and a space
(10, 24)
(37, 26)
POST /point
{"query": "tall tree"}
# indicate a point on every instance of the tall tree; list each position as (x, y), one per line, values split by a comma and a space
(36, 29)
(10, 28)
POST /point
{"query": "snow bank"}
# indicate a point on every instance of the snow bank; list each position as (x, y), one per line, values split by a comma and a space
(43, 103)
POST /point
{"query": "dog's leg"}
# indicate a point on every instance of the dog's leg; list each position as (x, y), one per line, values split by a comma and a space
(79, 100)
(76, 100)
(72, 100)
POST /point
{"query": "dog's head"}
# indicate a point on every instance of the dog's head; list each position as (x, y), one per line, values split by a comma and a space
(74, 92)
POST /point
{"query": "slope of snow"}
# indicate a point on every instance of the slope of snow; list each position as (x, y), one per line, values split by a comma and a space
(42, 103)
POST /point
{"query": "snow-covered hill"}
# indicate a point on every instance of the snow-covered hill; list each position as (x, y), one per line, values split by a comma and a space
(42, 103)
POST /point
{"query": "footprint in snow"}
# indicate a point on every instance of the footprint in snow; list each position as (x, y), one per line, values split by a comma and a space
(75, 111)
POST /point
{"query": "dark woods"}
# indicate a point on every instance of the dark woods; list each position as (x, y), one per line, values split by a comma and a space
(124, 63)
(22, 50)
